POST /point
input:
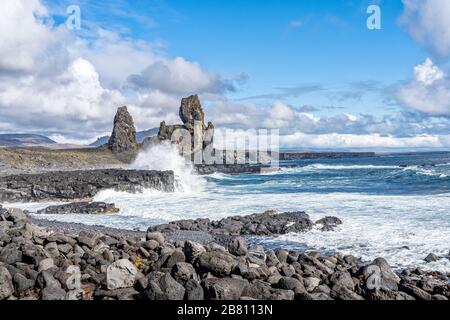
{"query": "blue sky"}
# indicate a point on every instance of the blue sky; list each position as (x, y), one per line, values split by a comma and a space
(309, 68)
(288, 45)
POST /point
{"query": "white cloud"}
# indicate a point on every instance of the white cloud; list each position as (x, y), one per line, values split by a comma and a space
(427, 73)
(428, 91)
(53, 80)
(428, 23)
(178, 76)
(22, 39)
(364, 141)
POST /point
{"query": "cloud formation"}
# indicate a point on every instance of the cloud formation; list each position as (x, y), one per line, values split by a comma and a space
(428, 91)
(427, 22)
(55, 80)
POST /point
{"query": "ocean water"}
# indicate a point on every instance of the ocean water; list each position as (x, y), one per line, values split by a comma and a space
(393, 206)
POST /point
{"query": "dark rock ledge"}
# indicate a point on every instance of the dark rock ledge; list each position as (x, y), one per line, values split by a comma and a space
(81, 208)
(38, 263)
(75, 185)
(268, 223)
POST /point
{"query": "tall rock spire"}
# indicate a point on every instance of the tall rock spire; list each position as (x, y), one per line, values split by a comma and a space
(123, 137)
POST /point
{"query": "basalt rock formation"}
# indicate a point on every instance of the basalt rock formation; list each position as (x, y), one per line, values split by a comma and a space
(193, 118)
(123, 137)
(75, 185)
(269, 223)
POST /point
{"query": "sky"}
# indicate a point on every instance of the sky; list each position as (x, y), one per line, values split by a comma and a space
(311, 69)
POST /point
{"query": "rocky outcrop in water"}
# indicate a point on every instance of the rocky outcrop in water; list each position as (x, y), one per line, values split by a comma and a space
(81, 208)
(193, 118)
(123, 137)
(44, 264)
(75, 185)
(269, 223)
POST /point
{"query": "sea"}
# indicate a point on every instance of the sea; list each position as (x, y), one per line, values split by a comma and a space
(395, 206)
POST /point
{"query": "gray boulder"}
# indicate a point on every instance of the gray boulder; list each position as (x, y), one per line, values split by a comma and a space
(224, 288)
(432, 257)
(217, 262)
(329, 223)
(22, 284)
(194, 290)
(182, 272)
(10, 254)
(379, 275)
(238, 246)
(6, 284)
(121, 274)
(342, 278)
(193, 250)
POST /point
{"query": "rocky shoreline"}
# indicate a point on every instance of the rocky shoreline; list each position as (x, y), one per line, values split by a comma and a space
(88, 263)
(83, 184)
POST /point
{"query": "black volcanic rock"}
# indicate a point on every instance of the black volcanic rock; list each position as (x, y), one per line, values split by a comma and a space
(81, 208)
(73, 185)
(123, 136)
(267, 223)
(49, 263)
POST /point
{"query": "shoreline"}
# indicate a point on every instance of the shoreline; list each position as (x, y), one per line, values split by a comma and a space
(38, 258)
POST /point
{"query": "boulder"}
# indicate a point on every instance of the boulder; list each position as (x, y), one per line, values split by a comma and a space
(224, 288)
(415, 291)
(121, 274)
(194, 290)
(343, 293)
(22, 284)
(311, 283)
(329, 223)
(10, 254)
(217, 262)
(52, 293)
(379, 275)
(46, 264)
(238, 246)
(88, 238)
(183, 272)
(171, 288)
(342, 278)
(432, 257)
(193, 250)
(156, 236)
(6, 284)
(288, 283)
(123, 137)
(117, 294)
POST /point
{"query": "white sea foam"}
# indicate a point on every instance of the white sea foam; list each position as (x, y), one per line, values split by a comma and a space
(348, 167)
(165, 156)
(403, 229)
(431, 172)
(318, 167)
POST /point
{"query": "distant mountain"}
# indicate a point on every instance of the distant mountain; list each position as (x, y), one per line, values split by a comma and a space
(140, 136)
(24, 140)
